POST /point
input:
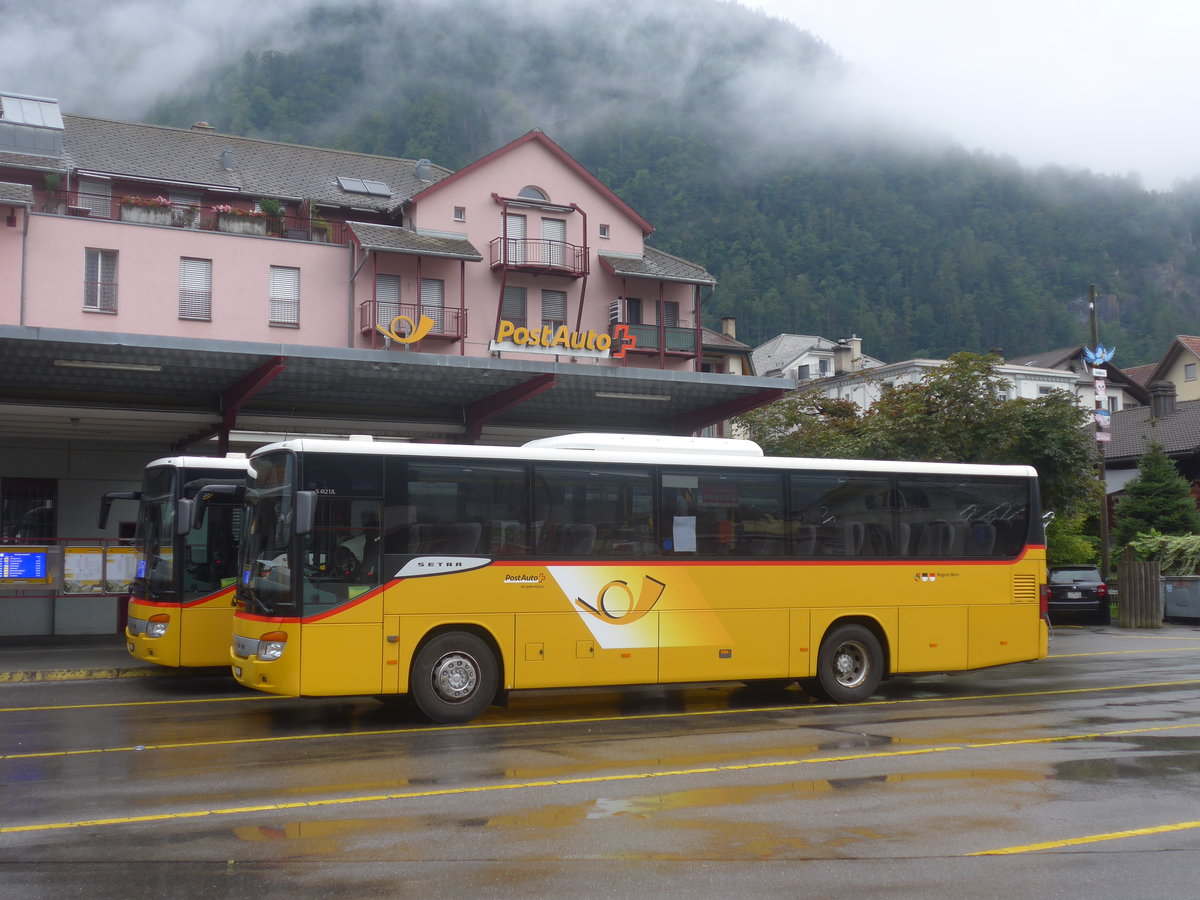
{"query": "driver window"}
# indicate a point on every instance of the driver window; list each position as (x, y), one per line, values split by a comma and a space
(341, 553)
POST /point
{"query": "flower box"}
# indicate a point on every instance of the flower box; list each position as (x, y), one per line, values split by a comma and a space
(235, 224)
(146, 215)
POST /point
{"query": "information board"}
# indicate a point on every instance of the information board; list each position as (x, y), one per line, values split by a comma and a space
(24, 565)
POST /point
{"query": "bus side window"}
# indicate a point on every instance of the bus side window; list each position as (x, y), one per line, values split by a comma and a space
(591, 510)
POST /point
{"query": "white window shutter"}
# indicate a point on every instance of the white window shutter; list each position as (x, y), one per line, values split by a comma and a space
(387, 299)
(285, 295)
(554, 307)
(513, 306)
(433, 301)
(195, 288)
(97, 197)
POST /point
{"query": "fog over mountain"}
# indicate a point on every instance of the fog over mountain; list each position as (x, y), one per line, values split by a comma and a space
(127, 55)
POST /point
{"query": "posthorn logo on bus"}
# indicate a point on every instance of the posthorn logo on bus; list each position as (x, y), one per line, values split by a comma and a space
(626, 609)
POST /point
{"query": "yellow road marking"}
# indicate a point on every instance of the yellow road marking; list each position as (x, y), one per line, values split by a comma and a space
(1122, 652)
(591, 720)
(594, 779)
(131, 703)
(1089, 839)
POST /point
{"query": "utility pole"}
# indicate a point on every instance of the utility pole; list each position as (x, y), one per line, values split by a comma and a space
(1102, 435)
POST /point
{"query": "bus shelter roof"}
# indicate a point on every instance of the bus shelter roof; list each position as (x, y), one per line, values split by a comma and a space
(181, 393)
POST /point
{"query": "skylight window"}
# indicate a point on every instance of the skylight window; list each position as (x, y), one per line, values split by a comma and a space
(363, 186)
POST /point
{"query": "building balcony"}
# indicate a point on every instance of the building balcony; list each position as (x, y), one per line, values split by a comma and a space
(669, 340)
(449, 323)
(226, 218)
(539, 257)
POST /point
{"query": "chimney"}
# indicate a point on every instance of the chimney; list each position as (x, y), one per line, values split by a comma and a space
(202, 126)
(729, 327)
(847, 355)
(227, 159)
(855, 343)
(1162, 399)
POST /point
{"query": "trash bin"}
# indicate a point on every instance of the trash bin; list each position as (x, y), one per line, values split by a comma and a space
(1181, 596)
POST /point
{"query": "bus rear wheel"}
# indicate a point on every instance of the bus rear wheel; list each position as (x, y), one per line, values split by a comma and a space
(849, 664)
(454, 677)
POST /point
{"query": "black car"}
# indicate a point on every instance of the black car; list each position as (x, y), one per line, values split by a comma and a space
(1078, 590)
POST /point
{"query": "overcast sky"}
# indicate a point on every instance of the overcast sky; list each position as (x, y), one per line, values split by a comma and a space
(1107, 85)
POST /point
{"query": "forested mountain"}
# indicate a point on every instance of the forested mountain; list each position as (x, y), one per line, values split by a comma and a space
(729, 131)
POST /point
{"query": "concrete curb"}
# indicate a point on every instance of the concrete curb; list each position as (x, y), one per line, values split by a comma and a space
(108, 672)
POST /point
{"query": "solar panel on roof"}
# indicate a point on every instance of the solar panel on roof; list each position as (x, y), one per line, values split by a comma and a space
(363, 186)
(23, 110)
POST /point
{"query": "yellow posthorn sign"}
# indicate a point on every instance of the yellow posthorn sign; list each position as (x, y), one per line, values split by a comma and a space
(416, 330)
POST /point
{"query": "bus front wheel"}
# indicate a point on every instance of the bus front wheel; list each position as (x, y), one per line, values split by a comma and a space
(454, 677)
(849, 664)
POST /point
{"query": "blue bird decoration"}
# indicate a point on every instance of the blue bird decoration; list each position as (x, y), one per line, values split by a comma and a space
(1099, 356)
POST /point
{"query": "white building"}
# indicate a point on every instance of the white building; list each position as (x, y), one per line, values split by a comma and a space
(807, 357)
(864, 387)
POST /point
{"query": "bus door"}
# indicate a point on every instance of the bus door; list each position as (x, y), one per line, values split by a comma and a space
(342, 613)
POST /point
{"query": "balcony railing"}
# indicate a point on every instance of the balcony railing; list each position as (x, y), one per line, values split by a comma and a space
(449, 323)
(195, 217)
(670, 339)
(539, 255)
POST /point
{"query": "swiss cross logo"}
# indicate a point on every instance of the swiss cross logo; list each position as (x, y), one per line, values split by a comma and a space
(622, 341)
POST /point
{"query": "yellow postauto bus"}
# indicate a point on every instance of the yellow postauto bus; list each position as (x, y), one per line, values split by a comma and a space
(181, 603)
(455, 574)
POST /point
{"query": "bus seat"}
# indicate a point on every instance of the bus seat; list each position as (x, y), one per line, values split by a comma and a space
(960, 534)
(842, 539)
(934, 539)
(804, 540)
(577, 540)
(446, 537)
(461, 537)
(876, 540)
(982, 540)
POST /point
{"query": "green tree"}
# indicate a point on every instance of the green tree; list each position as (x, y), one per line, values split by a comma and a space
(1157, 499)
(953, 414)
(1067, 543)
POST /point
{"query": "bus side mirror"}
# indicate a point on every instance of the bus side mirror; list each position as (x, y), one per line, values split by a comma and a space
(106, 502)
(233, 494)
(306, 507)
(183, 517)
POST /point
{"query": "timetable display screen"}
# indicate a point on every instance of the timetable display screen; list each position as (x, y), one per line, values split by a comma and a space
(23, 565)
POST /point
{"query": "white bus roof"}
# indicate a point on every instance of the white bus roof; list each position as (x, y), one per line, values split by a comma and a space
(650, 443)
(231, 461)
(535, 450)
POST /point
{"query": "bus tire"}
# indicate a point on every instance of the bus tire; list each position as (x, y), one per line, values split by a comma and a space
(849, 664)
(454, 677)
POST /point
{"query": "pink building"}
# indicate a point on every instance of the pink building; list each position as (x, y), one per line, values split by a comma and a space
(172, 290)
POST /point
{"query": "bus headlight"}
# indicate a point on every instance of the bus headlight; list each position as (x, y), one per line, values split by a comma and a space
(271, 646)
(157, 626)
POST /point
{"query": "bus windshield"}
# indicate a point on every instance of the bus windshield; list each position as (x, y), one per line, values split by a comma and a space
(266, 581)
(156, 534)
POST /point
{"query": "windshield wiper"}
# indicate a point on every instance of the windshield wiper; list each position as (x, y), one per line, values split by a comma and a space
(251, 596)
